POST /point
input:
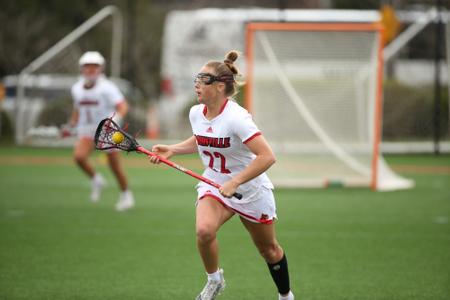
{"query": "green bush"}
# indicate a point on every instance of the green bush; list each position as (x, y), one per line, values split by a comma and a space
(408, 112)
(6, 128)
(56, 112)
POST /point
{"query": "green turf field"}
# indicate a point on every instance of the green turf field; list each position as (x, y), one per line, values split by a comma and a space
(341, 243)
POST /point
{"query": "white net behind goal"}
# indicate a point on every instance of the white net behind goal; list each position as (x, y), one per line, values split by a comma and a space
(314, 96)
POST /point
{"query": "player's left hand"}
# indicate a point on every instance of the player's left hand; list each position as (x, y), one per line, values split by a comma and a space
(67, 130)
(229, 188)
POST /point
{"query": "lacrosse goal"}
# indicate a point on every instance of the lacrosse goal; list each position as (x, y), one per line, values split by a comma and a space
(315, 91)
(43, 102)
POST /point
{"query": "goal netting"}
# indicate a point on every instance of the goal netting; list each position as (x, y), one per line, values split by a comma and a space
(315, 92)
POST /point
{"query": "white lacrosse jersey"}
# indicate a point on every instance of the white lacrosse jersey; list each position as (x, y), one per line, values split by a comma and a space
(96, 103)
(222, 144)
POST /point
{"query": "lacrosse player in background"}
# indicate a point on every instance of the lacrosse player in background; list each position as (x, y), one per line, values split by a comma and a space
(235, 155)
(95, 97)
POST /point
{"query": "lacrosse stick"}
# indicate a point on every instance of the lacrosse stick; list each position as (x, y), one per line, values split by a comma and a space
(110, 136)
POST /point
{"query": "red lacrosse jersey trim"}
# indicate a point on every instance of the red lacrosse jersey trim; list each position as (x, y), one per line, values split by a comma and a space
(252, 137)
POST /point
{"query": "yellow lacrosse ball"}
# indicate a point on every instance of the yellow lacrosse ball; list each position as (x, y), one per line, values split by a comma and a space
(117, 137)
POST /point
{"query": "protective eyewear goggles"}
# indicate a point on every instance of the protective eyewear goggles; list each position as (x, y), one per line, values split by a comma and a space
(207, 78)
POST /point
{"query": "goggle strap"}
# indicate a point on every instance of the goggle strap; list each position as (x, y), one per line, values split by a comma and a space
(212, 78)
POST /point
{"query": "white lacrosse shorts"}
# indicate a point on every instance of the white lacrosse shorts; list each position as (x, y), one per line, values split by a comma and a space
(258, 208)
(86, 131)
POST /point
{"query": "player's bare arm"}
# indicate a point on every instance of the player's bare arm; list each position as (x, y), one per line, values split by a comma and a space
(187, 146)
(122, 108)
(74, 117)
(263, 160)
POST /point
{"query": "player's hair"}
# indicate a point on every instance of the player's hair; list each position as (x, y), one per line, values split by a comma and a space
(227, 67)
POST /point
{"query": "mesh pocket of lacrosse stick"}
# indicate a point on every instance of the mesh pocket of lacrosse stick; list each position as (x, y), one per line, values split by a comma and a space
(109, 135)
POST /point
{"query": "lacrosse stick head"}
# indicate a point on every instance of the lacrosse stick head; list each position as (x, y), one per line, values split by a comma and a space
(109, 135)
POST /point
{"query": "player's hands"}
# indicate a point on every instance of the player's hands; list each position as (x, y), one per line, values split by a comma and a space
(162, 150)
(67, 130)
(229, 188)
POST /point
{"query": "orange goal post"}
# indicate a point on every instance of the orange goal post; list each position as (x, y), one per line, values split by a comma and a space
(315, 91)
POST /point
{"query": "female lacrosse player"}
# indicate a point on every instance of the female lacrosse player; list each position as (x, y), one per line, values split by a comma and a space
(235, 155)
(95, 98)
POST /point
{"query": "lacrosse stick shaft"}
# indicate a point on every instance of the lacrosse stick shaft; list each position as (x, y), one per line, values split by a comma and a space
(184, 170)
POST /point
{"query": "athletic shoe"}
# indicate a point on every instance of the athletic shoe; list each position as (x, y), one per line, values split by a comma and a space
(212, 289)
(126, 201)
(97, 185)
(289, 296)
